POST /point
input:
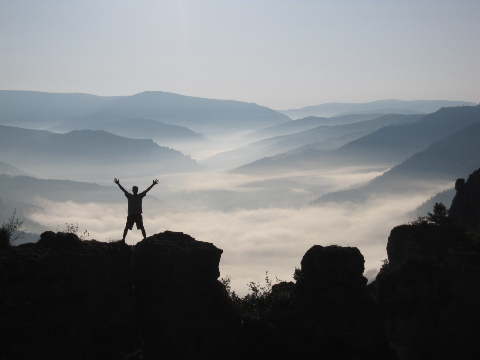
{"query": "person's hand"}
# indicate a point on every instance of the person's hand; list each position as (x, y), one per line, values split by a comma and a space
(155, 182)
(116, 181)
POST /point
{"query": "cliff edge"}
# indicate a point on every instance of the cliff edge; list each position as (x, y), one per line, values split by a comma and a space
(161, 299)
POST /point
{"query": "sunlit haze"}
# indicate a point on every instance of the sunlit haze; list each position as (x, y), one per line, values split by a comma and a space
(260, 177)
(279, 54)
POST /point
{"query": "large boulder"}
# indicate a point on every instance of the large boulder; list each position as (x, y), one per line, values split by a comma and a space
(183, 310)
(333, 307)
(430, 291)
(465, 208)
(67, 299)
(424, 240)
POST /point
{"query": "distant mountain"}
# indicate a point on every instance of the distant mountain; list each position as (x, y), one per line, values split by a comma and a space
(40, 110)
(65, 153)
(385, 147)
(10, 170)
(322, 137)
(24, 189)
(380, 106)
(135, 128)
(20, 194)
(199, 114)
(342, 133)
(446, 160)
(444, 197)
(295, 126)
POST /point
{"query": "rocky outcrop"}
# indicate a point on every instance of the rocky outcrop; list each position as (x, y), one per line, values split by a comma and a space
(161, 299)
(333, 307)
(423, 240)
(183, 310)
(429, 292)
(465, 209)
(63, 298)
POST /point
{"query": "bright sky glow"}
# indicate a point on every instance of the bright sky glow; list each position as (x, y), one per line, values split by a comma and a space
(278, 53)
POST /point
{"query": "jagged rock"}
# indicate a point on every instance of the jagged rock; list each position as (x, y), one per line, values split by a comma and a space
(425, 240)
(283, 288)
(59, 302)
(429, 293)
(465, 208)
(333, 306)
(325, 268)
(66, 298)
(59, 240)
(4, 238)
(183, 310)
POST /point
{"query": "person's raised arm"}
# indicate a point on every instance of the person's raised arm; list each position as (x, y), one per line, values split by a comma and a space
(155, 182)
(116, 181)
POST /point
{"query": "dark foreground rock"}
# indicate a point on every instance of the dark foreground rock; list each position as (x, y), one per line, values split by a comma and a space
(430, 291)
(63, 298)
(183, 310)
(465, 208)
(333, 307)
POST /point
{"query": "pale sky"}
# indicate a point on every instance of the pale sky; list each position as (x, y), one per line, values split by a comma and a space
(281, 54)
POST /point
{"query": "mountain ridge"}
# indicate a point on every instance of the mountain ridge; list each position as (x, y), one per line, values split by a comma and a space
(40, 110)
(389, 106)
(444, 161)
(386, 146)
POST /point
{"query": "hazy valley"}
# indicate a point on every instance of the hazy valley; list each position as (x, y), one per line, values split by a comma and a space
(258, 184)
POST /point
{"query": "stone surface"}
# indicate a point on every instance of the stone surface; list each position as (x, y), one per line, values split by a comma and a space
(425, 240)
(430, 291)
(333, 306)
(183, 310)
(67, 300)
(465, 208)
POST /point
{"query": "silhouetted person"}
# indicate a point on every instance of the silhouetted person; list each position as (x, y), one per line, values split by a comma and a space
(134, 207)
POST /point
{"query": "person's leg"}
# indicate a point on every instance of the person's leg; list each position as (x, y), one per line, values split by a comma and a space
(128, 225)
(140, 226)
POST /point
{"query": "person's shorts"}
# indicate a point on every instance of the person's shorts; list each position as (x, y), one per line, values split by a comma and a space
(134, 219)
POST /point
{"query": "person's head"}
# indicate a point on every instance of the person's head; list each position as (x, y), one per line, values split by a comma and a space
(135, 189)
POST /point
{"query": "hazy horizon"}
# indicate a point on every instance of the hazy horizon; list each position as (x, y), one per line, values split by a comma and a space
(279, 54)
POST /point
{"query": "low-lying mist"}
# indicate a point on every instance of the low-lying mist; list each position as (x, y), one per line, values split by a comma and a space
(262, 224)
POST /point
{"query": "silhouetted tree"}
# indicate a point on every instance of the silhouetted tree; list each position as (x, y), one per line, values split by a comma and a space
(440, 214)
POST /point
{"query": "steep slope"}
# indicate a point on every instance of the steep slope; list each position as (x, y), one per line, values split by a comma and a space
(385, 147)
(295, 126)
(341, 133)
(443, 161)
(321, 137)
